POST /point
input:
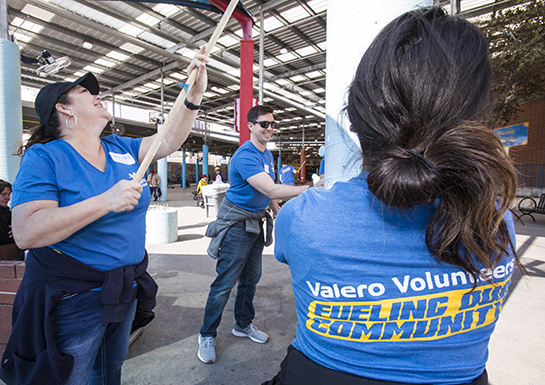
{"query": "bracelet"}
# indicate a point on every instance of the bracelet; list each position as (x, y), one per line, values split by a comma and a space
(192, 106)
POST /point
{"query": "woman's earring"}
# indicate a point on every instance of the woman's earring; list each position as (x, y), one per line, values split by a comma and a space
(68, 119)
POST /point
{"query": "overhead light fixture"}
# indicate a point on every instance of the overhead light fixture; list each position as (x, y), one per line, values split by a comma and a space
(283, 50)
(87, 44)
(117, 128)
(50, 65)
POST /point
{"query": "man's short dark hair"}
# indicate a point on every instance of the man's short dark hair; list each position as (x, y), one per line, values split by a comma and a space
(257, 111)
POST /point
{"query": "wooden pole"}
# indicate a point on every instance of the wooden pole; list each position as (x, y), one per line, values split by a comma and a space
(176, 109)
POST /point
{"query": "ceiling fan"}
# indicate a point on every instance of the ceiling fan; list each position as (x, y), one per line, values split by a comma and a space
(49, 65)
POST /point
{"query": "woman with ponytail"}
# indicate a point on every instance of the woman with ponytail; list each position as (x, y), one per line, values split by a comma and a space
(402, 276)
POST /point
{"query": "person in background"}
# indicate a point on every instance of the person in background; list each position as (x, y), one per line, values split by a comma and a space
(202, 182)
(153, 182)
(217, 176)
(222, 178)
(287, 174)
(237, 234)
(415, 294)
(321, 170)
(82, 217)
(8, 248)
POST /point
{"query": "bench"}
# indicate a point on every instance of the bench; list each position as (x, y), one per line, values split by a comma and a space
(173, 180)
(528, 206)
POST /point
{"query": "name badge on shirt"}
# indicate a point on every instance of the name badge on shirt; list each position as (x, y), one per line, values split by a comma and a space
(122, 158)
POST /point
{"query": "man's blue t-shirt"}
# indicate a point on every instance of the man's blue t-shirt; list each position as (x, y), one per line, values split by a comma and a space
(56, 171)
(287, 175)
(370, 298)
(246, 162)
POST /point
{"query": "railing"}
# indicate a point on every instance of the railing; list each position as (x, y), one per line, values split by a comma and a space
(531, 175)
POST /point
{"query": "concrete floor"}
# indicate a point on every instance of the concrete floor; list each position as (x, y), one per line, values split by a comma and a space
(165, 353)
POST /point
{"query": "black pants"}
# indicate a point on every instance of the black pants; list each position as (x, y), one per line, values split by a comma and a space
(297, 369)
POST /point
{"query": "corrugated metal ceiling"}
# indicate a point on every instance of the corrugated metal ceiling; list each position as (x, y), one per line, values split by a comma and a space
(133, 40)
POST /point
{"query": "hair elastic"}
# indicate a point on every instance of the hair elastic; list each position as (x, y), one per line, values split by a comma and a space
(420, 156)
(75, 121)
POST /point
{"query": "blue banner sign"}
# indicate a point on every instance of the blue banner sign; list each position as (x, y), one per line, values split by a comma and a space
(513, 135)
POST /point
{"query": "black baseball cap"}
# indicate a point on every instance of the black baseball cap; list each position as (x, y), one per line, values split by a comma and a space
(48, 95)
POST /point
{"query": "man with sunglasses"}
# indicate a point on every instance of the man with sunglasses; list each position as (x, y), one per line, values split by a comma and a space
(237, 235)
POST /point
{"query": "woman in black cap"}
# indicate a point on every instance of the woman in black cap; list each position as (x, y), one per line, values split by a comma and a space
(414, 295)
(78, 210)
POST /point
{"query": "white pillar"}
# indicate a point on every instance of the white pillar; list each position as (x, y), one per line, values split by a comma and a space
(351, 27)
(11, 110)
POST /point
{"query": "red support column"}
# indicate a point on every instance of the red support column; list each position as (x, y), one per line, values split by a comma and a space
(246, 86)
(246, 66)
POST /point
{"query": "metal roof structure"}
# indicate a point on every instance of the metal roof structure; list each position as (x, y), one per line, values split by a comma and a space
(134, 47)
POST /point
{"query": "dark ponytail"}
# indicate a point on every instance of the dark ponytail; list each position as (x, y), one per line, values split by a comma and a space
(45, 133)
(416, 103)
(403, 178)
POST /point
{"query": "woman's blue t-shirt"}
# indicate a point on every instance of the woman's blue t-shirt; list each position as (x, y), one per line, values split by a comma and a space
(56, 171)
(370, 298)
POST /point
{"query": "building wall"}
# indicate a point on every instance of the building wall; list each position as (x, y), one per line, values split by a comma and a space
(11, 274)
(534, 151)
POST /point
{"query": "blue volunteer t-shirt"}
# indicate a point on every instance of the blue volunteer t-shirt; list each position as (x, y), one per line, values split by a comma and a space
(370, 298)
(56, 171)
(322, 167)
(246, 162)
(287, 175)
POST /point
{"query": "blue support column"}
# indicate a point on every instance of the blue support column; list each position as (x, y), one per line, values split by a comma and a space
(162, 171)
(184, 170)
(205, 160)
(197, 176)
(278, 167)
(229, 170)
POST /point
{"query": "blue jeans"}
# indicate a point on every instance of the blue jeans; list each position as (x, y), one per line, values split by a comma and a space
(154, 192)
(99, 348)
(239, 260)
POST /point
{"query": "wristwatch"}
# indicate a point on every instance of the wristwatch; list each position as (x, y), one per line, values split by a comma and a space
(192, 106)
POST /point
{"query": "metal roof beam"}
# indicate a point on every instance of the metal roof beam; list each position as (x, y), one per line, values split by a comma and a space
(59, 11)
(315, 67)
(149, 11)
(490, 8)
(60, 29)
(143, 78)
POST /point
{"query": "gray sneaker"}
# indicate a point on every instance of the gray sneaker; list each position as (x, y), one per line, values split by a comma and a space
(207, 351)
(251, 332)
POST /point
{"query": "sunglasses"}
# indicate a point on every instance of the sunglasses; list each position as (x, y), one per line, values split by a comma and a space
(265, 123)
